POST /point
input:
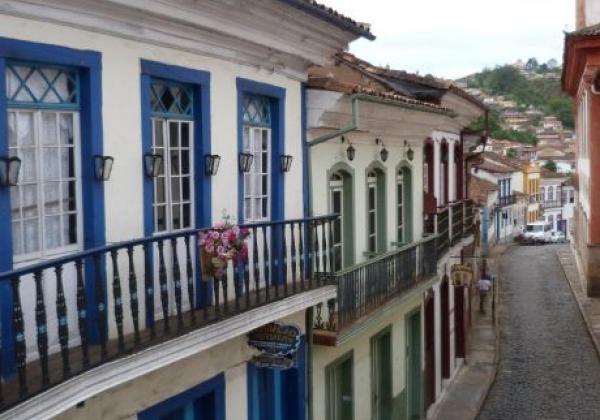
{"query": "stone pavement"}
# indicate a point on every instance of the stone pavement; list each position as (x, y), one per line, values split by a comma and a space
(589, 307)
(465, 395)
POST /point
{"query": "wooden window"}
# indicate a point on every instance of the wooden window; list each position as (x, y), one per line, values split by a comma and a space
(340, 389)
(372, 219)
(400, 211)
(336, 190)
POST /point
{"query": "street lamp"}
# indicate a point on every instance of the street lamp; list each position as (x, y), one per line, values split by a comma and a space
(350, 151)
(286, 162)
(384, 154)
(9, 171)
(152, 164)
(211, 164)
(245, 161)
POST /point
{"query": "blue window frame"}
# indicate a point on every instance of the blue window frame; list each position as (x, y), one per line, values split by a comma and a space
(254, 99)
(86, 67)
(202, 402)
(181, 83)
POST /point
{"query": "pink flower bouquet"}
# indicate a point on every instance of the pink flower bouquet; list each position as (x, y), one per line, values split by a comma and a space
(221, 244)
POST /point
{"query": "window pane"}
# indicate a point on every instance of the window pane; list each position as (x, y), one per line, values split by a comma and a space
(399, 194)
(174, 163)
(185, 162)
(371, 223)
(52, 197)
(69, 196)
(30, 200)
(49, 129)
(12, 129)
(173, 134)
(175, 190)
(185, 186)
(67, 160)
(66, 129)
(176, 212)
(52, 232)
(15, 202)
(158, 133)
(28, 165)
(371, 198)
(337, 202)
(16, 238)
(186, 216)
(185, 135)
(31, 239)
(159, 196)
(51, 165)
(160, 218)
(25, 128)
(69, 229)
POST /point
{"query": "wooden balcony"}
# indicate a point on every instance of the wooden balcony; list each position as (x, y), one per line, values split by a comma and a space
(72, 314)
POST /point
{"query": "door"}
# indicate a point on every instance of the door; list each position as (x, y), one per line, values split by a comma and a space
(381, 362)
(336, 191)
(429, 350)
(445, 330)
(413, 366)
(340, 389)
(459, 321)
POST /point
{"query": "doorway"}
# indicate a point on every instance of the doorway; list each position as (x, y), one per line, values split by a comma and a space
(429, 349)
(413, 366)
(445, 330)
(459, 321)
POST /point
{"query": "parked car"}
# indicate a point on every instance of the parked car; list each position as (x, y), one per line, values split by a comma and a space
(558, 237)
(537, 233)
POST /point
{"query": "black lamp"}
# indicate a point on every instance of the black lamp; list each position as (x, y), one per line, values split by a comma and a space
(211, 164)
(350, 151)
(152, 164)
(103, 167)
(286, 162)
(384, 154)
(9, 171)
(410, 153)
(245, 161)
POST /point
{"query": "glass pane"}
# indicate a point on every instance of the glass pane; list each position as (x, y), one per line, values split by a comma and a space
(337, 202)
(37, 84)
(246, 138)
(49, 129)
(28, 165)
(51, 163)
(69, 196)
(265, 139)
(337, 231)
(371, 198)
(399, 194)
(372, 243)
(174, 134)
(160, 218)
(52, 232)
(185, 162)
(185, 135)
(69, 229)
(12, 129)
(371, 223)
(25, 128)
(66, 129)
(52, 197)
(176, 211)
(185, 187)
(187, 214)
(30, 200)
(265, 185)
(159, 196)
(247, 209)
(265, 208)
(158, 133)
(15, 202)
(31, 239)
(175, 163)
(17, 243)
(175, 190)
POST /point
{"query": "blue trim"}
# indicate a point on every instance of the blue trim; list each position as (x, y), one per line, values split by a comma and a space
(200, 81)
(187, 399)
(89, 65)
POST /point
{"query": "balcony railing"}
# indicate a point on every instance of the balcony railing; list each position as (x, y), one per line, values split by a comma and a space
(442, 220)
(457, 213)
(534, 198)
(365, 287)
(468, 218)
(551, 204)
(74, 313)
(507, 200)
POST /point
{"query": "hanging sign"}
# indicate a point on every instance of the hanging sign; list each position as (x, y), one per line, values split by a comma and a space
(461, 275)
(278, 344)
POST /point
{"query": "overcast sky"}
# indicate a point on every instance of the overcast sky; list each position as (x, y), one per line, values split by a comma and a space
(454, 38)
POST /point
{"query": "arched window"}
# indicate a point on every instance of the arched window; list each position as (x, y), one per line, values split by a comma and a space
(341, 202)
(550, 193)
(404, 205)
(376, 211)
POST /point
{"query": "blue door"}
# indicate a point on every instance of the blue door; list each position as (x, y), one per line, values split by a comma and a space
(202, 402)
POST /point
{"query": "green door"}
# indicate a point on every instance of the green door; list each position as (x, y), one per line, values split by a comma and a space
(381, 352)
(413, 365)
(340, 401)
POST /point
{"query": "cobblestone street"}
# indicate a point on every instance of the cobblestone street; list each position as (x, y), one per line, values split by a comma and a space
(548, 366)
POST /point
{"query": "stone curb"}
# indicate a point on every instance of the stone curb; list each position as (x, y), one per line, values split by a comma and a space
(579, 299)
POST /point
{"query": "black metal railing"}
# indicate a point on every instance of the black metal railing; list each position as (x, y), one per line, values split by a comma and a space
(76, 312)
(442, 221)
(507, 200)
(468, 218)
(551, 204)
(456, 210)
(365, 287)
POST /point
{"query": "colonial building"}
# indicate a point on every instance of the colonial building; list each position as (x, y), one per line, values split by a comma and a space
(580, 80)
(553, 199)
(531, 188)
(385, 148)
(136, 127)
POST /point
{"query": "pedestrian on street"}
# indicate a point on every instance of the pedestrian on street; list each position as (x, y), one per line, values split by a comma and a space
(484, 285)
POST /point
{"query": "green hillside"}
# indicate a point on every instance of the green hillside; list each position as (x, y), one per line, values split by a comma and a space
(544, 93)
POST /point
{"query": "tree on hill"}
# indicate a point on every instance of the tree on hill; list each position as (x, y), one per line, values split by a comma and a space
(496, 130)
(551, 166)
(512, 153)
(531, 64)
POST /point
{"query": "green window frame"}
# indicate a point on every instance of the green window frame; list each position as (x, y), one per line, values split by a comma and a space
(381, 375)
(339, 382)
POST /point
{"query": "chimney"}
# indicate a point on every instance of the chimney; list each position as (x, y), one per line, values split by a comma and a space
(588, 13)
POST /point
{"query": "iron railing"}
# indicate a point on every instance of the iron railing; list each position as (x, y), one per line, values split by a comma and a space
(507, 200)
(442, 220)
(551, 204)
(365, 287)
(468, 217)
(76, 312)
(457, 214)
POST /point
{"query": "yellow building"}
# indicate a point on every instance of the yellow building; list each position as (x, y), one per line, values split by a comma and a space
(531, 183)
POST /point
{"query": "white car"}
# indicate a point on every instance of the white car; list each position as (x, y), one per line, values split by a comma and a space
(537, 232)
(557, 237)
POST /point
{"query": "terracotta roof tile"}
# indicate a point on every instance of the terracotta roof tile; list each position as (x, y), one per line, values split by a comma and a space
(479, 190)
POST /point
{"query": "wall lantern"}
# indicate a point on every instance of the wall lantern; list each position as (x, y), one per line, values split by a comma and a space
(152, 164)
(245, 162)
(9, 171)
(350, 151)
(384, 153)
(103, 167)
(286, 162)
(410, 153)
(211, 164)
